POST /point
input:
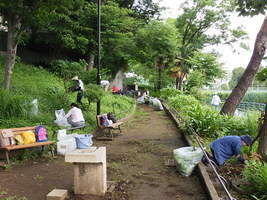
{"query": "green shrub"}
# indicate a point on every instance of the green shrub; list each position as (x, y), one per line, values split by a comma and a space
(255, 175)
(207, 121)
(169, 92)
(93, 93)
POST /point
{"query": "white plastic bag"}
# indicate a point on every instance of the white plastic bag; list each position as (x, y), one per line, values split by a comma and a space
(186, 159)
(141, 100)
(157, 105)
(61, 120)
(34, 108)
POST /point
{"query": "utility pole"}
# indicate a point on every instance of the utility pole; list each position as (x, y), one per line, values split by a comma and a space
(99, 43)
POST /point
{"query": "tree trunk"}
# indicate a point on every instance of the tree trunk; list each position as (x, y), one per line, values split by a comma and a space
(13, 37)
(245, 81)
(262, 148)
(159, 79)
(118, 80)
(90, 61)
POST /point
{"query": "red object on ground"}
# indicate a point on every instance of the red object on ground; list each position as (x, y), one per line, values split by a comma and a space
(115, 89)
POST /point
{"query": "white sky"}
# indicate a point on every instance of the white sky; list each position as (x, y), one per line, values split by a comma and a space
(231, 60)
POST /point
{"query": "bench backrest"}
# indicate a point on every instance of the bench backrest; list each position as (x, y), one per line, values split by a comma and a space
(98, 120)
(21, 130)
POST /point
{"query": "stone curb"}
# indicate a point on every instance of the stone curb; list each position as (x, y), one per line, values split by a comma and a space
(210, 189)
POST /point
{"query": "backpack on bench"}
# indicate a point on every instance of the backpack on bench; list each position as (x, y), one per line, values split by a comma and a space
(41, 134)
(7, 138)
(111, 117)
(104, 120)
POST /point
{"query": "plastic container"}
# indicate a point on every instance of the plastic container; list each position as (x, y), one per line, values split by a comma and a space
(65, 146)
(84, 141)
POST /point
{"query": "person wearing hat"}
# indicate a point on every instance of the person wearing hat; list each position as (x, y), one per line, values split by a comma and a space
(225, 147)
(216, 101)
(79, 88)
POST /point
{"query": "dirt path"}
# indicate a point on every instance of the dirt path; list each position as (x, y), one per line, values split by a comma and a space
(135, 161)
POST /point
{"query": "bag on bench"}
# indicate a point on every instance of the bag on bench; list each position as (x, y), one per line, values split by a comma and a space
(104, 120)
(28, 137)
(40, 134)
(7, 138)
(112, 117)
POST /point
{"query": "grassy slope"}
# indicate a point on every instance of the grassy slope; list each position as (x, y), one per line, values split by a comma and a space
(34, 82)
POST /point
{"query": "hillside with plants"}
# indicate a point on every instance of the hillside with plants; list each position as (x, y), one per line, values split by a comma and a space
(30, 82)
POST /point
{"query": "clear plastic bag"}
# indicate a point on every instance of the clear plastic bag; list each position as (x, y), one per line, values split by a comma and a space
(186, 159)
(157, 105)
(61, 120)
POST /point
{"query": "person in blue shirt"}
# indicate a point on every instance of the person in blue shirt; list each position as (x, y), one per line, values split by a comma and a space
(224, 148)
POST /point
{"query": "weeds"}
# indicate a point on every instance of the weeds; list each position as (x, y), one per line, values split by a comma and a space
(38, 177)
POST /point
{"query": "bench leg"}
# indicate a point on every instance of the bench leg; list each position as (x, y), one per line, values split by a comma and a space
(110, 132)
(52, 151)
(7, 157)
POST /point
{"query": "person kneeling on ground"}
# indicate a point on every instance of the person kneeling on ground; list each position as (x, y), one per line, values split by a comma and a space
(224, 148)
(75, 116)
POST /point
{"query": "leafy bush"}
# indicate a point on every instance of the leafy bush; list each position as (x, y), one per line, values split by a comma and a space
(255, 175)
(93, 93)
(208, 122)
(67, 69)
(169, 92)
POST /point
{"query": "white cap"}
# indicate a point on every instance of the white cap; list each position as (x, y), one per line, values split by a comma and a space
(75, 78)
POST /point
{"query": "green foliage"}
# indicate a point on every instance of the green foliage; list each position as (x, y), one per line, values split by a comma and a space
(207, 121)
(195, 79)
(206, 69)
(166, 93)
(224, 86)
(93, 93)
(262, 75)
(197, 93)
(193, 26)
(236, 75)
(255, 177)
(251, 7)
(250, 96)
(67, 69)
(37, 83)
(13, 105)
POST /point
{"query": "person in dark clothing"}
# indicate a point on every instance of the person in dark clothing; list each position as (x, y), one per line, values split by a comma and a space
(224, 148)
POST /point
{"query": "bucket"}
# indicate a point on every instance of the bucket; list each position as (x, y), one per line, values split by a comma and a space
(84, 141)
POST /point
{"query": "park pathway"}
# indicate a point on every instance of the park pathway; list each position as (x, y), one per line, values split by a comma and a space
(136, 160)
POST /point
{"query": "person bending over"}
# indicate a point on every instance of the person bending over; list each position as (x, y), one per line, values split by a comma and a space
(225, 147)
(75, 116)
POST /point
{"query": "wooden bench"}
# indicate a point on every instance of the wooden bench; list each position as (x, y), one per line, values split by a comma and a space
(24, 146)
(111, 127)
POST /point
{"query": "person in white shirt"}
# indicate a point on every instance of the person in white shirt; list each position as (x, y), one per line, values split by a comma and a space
(216, 101)
(105, 84)
(79, 88)
(75, 116)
